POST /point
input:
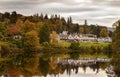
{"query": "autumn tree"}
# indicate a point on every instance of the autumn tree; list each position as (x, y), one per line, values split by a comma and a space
(44, 34)
(31, 41)
(13, 30)
(116, 49)
(28, 26)
(81, 30)
(16, 28)
(88, 30)
(3, 31)
(54, 37)
(104, 32)
(19, 22)
(39, 26)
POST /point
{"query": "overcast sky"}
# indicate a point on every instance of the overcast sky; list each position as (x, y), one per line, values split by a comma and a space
(102, 12)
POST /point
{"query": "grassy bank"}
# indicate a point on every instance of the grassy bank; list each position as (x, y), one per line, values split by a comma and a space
(85, 44)
(84, 49)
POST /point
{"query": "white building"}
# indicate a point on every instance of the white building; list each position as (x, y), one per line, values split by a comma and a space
(107, 39)
(82, 37)
(88, 38)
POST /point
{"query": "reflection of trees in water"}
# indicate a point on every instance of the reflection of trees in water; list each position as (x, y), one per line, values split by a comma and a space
(29, 64)
(103, 65)
(13, 72)
(84, 68)
(68, 69)
(8, 68)
(99, 65)
(76, 69)
(44, 66)
(95, 67)
(74, 55)
(21, 64)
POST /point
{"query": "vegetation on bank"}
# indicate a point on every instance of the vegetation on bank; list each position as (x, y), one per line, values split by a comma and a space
(74, 47)
(29, 34)
(116, 48)
(39, 33)
(85, 44)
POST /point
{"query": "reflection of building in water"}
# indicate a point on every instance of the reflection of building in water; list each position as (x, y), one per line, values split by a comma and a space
(75, 66)
(71, 69)
(47, 66)
(95, 67)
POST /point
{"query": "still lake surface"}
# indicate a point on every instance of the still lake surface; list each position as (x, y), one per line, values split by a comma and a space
(48, 65)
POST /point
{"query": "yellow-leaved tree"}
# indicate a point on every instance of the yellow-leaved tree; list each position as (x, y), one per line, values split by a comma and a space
(81, 30)
(54, 38)
(104, 32)
(31, 41)
(27, 26)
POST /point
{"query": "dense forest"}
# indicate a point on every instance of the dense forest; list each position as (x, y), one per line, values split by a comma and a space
(18, 32)
(55, 23)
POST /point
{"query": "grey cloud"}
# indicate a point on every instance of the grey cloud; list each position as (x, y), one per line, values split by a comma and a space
(109, 2)
(48, 1)
(79, 9)
(43, 1)
(112, 2)
(96, 11)
(15, 4)
(115, 3)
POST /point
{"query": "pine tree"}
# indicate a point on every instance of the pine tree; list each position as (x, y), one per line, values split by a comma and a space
(46, 16)
(13, 17)
(85, 27)
(44, 33)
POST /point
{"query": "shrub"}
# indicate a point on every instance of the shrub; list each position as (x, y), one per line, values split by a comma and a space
(46, 45)
(74, 45)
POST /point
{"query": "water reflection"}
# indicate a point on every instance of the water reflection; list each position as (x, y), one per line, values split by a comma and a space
(46, 65)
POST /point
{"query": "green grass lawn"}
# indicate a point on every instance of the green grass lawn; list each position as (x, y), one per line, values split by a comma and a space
(89, 44)
(83, 44)
(64, 44)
